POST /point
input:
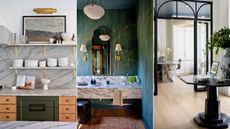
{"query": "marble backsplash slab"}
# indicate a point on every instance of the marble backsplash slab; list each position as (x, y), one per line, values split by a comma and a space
(102, 79)
(5, 35)
(59, 78)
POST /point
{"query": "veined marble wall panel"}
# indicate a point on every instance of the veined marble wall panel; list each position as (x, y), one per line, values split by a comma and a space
(5, 35)
(59, 78)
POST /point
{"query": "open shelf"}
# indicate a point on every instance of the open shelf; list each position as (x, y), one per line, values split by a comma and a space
(43, 68)
(45, 45)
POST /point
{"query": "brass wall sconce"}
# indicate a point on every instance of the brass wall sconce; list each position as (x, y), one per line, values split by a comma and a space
(83, 50)
(44, 10)
(118, 51)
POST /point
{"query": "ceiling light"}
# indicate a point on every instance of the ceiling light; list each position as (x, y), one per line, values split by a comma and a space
(104, 37)
(93, 10)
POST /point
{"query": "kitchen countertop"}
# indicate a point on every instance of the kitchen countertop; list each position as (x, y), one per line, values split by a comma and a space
(37, 125)
(110, 86)
(39, 92)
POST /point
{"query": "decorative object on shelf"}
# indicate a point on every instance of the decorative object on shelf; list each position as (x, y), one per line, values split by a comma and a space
(45, 10)
(45, 83)
(52, 62)
(93, 10)
(25, 82)
(83, 50)
(214, 68)
(52, 40)
(39, 29)
(118, 51)
(67, 37)
(24, 39)
(221, 39)
(63, 62)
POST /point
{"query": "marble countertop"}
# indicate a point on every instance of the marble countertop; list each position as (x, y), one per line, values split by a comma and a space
(110, 86)
(39, 92)
(37, 125)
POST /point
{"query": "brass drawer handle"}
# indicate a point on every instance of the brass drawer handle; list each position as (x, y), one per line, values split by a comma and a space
(67, 109)
(67, 100)
(67, 117)
(7, 108)
(7, 100)
(7, 117)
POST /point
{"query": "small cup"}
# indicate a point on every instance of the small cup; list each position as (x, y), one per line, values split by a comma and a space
(42, 64)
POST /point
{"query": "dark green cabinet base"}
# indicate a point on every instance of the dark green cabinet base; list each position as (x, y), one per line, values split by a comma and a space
(37, 108)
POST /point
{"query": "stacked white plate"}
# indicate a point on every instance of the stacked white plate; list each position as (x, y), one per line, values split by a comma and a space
(18, 63)
(63, 62)
(52, 62)
(31, 63)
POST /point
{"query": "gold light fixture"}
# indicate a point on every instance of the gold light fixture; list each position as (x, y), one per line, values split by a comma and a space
(118, 51)
(83, 50)
(44, 10)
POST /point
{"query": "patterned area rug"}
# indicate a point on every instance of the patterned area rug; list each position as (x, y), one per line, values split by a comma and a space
(108, 120)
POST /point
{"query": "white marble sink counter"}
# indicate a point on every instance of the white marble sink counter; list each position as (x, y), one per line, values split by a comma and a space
(121, 85)
(39, 92)
(37, 125)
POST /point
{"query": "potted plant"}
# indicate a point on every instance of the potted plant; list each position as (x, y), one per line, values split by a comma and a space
(221, 40)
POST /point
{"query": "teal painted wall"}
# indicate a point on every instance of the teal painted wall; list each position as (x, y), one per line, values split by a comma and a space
(115, 20)
(145, 58)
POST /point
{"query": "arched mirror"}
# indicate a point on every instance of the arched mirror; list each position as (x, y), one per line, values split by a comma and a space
(101, 51)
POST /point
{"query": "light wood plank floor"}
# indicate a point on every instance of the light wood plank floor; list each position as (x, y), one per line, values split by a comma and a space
(177, 104)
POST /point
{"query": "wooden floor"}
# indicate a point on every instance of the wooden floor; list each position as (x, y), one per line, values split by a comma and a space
(177, 104)
(113, 119)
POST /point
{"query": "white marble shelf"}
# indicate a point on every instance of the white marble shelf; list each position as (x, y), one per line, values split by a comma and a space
(45, 45)
(43, 68)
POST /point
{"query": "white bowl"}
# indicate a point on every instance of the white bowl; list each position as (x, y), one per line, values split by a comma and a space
(63, 62)
(45, 81)
(31, 63)
(52, 62)
(18, 63)
(67, 36)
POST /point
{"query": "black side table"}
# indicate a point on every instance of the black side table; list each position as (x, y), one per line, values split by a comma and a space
(211, 117)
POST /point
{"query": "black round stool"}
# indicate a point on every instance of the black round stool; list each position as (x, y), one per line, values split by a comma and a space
(84, 111)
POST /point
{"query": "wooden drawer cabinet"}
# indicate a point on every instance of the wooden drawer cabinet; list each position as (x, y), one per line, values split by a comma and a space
(7, 99)
(67, 100)
(7, 116)
(67, 108)
(8, 108)
(67, 117)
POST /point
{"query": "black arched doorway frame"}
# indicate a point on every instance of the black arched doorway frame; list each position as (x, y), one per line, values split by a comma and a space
(195, 11)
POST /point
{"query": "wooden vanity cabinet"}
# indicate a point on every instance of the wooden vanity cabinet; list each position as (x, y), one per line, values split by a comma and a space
(8, 108)
(67, 108)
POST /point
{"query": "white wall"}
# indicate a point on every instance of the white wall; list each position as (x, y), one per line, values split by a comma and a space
(13, 10)
(220, 14)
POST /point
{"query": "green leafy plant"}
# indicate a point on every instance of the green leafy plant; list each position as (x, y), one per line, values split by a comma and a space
(220, 39)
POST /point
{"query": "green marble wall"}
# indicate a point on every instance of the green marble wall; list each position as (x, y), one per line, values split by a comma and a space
(116, 20)
(145, 58)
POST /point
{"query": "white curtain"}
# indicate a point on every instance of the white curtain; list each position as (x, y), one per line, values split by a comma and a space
(183, 47)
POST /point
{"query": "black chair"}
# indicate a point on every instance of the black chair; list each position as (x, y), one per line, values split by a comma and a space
(84, 111)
